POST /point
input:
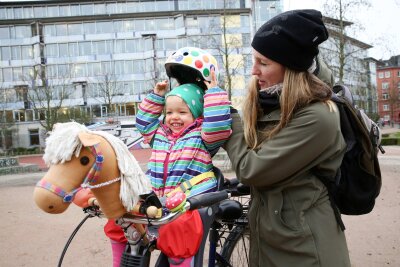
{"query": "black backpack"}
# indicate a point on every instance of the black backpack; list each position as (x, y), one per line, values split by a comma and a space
(358, 181)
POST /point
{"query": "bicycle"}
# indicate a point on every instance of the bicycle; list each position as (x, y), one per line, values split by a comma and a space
(224, 217)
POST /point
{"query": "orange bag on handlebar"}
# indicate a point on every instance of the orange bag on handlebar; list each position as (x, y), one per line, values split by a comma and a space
(182, 237)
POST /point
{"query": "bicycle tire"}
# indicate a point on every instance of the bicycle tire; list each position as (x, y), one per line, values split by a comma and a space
(235, 249)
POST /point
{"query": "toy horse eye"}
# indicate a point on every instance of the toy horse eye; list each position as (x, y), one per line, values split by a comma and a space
(85, 160)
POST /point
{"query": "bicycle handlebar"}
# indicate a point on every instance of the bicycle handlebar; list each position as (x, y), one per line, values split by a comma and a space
(196, 202)
(207, 199)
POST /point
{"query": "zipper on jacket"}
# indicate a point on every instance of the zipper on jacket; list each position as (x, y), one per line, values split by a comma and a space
(165, 174)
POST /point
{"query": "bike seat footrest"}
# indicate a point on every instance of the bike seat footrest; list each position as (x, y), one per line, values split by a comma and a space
(130, 260)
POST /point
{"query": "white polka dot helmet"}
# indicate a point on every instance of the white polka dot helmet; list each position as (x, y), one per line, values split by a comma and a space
(191, 65)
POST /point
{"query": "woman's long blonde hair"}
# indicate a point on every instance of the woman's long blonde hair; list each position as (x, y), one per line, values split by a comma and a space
(299, 90)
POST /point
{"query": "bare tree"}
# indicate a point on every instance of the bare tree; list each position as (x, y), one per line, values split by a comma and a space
(228, 44)
(361, 92)
(109, 88)
(6, 119)
(340, 10)
(47, 98)
(151, 69)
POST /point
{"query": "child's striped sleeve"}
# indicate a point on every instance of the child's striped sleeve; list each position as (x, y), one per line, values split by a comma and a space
(217, 121)
(147, 118)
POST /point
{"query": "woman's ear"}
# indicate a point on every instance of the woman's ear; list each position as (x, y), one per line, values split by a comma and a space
(89, 139)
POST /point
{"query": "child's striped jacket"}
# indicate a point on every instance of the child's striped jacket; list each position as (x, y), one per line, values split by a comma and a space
(178, 159)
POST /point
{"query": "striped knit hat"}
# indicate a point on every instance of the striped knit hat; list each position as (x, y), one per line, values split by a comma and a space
(192, 95)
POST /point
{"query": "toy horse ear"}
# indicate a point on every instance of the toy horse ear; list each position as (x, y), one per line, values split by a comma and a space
(88, 139)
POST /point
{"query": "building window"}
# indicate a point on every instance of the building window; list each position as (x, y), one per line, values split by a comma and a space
(4, 32)
(385, 107)
(29, 114)
(16, 52)
(385, 86)
(387, 74)
(17, 74)
(40, 115)
(75, 29)
(19, 115)
(75, 10)
(192, 22)
(87, 9)
(100, 8)
(34, 137)
(21, 32)
(398, 73)
(7, 75)
(7, 116)
(61, 30)
(179, 23)
(52, 11)
(27, 52)
(5, 53)
(385, 96)
(65, 10)
(21, 93)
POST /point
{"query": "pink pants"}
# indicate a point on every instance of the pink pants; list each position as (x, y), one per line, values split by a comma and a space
(117, 251)
(188, 262)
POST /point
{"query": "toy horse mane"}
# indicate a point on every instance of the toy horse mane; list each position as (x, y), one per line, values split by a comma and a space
(64, 143)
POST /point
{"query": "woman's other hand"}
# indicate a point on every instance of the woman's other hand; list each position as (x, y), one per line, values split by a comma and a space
(161, 88)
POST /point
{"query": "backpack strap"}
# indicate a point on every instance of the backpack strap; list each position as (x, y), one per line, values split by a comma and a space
(186, 185)
(328, 181)
(345, 92)
(336, 211)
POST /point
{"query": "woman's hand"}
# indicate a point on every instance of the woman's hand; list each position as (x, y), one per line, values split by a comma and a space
(213, 83)
(161, 88)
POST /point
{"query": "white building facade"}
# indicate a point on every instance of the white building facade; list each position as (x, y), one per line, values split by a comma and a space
(81, 49)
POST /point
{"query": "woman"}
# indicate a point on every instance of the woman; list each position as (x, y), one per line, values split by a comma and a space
(290, 128)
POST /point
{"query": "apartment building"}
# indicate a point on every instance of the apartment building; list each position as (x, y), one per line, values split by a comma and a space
(92, 61)
(388, 85)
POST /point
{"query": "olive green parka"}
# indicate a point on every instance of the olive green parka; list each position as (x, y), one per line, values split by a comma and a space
(291, 220)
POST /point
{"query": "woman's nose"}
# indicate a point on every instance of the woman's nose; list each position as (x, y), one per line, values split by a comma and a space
(255, 70)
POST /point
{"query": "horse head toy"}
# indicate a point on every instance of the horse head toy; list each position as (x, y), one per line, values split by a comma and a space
(79, 158)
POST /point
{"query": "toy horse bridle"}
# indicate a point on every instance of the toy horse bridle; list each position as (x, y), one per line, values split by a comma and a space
(91, 177)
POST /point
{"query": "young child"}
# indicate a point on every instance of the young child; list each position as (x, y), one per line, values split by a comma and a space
(195, 125)
(182, 148)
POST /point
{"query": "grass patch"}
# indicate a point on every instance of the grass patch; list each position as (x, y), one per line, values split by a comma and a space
(392, 139)
(395, 135)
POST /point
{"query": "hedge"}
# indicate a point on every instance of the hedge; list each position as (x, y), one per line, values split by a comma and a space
(390, 141)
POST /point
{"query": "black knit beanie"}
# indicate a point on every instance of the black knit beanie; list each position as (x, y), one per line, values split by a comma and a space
(291, 38)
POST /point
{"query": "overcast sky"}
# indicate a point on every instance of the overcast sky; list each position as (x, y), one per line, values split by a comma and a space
(381, 23)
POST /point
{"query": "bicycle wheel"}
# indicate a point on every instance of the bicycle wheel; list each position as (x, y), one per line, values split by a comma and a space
(235, 249)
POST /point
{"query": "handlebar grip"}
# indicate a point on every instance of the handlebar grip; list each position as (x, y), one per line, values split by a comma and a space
(243, 189)
(207, 199)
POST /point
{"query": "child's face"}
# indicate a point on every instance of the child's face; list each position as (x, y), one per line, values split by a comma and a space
(178, 115)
